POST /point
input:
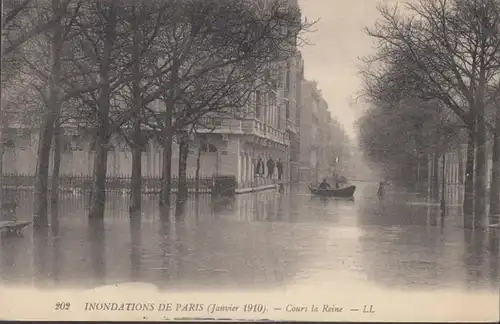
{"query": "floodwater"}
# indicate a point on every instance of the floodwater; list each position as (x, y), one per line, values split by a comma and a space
(256, 241)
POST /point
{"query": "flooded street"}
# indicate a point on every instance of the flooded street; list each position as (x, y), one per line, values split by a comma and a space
(264, 240)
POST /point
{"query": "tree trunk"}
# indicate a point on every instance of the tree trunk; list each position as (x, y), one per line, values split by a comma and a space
(182, 190)
(50, 115)
(42, 173)
(480, 174)
(98, 198)
(137, 143)
(135, 193)
(468, 205)
(443, 186)
(56, 158)
(2, 125)
(197, 172)
(494, 213)
(435, 175)
(170, 100)
(166, 183)
(461, 170)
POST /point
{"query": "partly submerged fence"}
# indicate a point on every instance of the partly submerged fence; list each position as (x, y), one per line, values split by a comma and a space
(151, 185)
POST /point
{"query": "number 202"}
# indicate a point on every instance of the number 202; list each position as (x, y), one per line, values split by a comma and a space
(62, 306)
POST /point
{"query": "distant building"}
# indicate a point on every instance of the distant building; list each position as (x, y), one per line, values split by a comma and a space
(316, 154)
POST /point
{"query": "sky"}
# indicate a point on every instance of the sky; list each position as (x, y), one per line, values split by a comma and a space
(332, 58)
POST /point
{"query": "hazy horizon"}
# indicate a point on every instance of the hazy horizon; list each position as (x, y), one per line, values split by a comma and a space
(332, 57)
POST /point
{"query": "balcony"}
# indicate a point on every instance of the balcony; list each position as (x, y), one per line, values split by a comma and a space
(258, 128)
(250, 126)
(219, 125)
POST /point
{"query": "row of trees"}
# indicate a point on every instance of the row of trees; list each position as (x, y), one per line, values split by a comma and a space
(138, 69)
(434, 82)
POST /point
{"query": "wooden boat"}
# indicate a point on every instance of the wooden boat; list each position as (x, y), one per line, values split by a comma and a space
(346, 192)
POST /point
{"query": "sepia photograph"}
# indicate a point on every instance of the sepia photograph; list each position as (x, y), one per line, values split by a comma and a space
(317, 160)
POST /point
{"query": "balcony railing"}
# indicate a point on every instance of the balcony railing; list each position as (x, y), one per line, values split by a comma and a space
(256, 127)
(222, 125)
(219, 125)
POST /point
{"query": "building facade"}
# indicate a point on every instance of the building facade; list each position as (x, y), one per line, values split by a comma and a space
(316, 153)
(293, 104)
(227, 146)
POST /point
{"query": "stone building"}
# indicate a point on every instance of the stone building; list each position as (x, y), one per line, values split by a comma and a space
(316, 155)
(230, 147)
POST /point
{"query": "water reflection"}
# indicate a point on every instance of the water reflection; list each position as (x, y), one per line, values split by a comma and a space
(493, 247)
(97, 246)
(473, 255)
(264, 239)
(41, 257)
(135, 246)
(56, 243)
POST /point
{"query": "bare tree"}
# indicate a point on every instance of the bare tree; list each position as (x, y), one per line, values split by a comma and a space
(494, 212)
(147, 19)
(98, 65)
(218, 50)
(446, 50)
(46, 80)
(22, 20)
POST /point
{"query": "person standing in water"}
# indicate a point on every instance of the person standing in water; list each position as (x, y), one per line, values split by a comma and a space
(381, 188)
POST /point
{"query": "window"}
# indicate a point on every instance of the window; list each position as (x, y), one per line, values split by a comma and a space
(207, 147)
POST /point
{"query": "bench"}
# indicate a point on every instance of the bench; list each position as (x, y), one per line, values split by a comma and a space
(13, 227)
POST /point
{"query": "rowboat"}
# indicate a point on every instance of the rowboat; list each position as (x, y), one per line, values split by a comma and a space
(346, 192)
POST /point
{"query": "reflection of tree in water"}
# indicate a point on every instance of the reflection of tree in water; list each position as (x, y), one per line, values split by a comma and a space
(473, 255)
(493, 247)
(165, 243)
(41, 256)
(135, 245)
(202, 248)
(408, 243)
(402, 256)
(397, 213)
(223, 204)
(56, 242)
(96, 237)
(11, 251)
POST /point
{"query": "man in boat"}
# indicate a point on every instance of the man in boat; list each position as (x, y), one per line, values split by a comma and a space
(324, 185)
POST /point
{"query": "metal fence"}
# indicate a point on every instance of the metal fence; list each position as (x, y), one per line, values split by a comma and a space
(72, 183)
